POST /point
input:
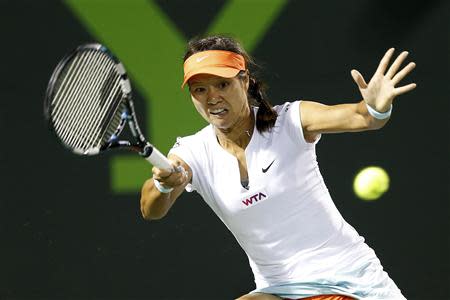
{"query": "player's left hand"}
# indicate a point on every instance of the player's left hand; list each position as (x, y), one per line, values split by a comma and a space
(381, 90)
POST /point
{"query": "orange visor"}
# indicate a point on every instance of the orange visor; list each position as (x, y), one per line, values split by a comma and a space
(216, 62)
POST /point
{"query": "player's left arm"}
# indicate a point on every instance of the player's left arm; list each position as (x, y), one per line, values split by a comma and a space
(379, 94)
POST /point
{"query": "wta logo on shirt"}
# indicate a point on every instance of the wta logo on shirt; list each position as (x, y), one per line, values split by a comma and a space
(254, 198)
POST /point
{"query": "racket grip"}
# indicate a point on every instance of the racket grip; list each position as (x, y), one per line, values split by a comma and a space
(158, 159)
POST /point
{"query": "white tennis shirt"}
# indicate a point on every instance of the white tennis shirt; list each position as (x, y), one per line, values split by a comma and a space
(286, 221)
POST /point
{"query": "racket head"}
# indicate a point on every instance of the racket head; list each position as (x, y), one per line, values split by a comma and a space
(88, 99)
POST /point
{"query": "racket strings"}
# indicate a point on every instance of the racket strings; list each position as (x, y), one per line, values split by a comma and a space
(78, 87)
(85, 115)
(92, 109)
(87, 108)
(66, 105)
(115, 125)
(61, 101)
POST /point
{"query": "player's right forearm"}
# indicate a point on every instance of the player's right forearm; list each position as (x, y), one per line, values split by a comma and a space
(154, 204)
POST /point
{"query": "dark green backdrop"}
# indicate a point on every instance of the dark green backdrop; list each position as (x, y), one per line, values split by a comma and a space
(70, 227)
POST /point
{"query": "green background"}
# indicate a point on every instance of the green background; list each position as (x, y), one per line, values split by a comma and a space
(151, 47)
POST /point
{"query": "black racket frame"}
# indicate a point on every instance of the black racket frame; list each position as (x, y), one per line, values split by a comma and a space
(140, 145)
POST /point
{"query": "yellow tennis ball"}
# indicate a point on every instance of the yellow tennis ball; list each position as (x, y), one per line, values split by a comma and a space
(370, 183)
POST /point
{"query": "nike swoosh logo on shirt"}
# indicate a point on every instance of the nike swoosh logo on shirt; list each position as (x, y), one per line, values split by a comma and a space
(264, 170)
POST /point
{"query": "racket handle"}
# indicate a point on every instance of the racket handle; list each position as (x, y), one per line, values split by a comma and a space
(158, 159)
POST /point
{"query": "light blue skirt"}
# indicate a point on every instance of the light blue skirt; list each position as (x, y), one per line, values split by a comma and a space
(303, 290)
(309, 289)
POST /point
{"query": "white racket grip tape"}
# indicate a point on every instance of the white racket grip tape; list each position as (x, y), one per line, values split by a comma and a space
(159, 160)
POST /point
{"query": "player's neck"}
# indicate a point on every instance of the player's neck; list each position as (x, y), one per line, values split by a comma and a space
(239, 135)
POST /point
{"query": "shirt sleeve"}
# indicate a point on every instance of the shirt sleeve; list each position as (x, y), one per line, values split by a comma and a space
(294, 123)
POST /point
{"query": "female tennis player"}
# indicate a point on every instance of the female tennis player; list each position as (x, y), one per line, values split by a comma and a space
(255, 166)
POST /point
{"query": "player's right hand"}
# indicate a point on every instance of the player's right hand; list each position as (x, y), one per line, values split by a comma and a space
(171, 179)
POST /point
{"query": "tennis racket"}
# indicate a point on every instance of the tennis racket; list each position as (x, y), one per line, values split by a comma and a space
(88, 102)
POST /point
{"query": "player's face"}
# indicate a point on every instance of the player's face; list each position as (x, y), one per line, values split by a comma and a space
(220, 101)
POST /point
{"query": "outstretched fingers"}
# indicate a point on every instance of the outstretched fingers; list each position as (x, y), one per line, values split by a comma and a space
(405, 71)
(404, 89)
(384, 62)
(396, 64)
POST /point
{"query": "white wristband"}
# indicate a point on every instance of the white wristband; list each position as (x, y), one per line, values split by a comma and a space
(377, 114)
(161, 188)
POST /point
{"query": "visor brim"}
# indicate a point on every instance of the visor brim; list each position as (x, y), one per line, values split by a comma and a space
(225, 72)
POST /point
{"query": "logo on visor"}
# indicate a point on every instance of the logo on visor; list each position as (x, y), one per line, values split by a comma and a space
(201, 58)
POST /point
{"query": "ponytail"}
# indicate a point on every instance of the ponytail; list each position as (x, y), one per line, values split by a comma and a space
(266, 116)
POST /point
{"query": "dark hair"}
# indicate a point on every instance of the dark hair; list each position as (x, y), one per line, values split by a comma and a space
(266, 116)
